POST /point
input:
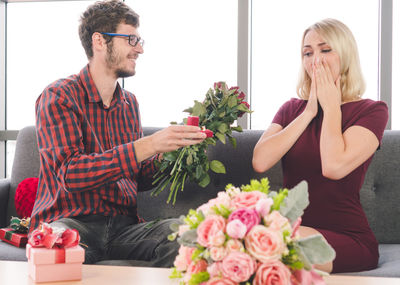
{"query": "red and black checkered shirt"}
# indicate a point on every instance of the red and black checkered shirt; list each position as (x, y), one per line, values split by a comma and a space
(87, 157)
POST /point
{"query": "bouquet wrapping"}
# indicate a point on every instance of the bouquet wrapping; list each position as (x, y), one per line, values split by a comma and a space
(249, 235)
(221, 107)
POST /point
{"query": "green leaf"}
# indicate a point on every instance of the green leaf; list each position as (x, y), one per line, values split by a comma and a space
(315, 249)
(233, 141)
(295, 202)
(242, 107)
(188, 238)
(188, 110)
(221, 137)
(223, 128)
(232, 102)
(170, 156)
(175, 273)
(198, 109)
(217, 166)
(189, 159)
(210, 141)
(199, 172)
(205, 181)
(238, 129)
(198, 278)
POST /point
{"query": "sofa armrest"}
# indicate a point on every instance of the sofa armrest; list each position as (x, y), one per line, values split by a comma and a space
(4, 193)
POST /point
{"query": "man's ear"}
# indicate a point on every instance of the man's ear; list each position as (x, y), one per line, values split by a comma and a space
(98, 42)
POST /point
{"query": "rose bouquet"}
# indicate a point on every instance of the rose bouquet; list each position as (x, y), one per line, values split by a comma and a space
(249, 236)
(216, 115)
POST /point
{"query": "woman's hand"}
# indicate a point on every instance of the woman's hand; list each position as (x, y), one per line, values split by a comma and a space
(327, 89)
(312, 104)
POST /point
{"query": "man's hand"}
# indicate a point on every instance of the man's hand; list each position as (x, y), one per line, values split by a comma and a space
(176, 136)
(168, 139)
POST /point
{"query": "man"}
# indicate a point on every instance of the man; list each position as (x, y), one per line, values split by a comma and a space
(94, 157)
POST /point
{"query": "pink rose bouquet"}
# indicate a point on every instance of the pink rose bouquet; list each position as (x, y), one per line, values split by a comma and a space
(248, 235)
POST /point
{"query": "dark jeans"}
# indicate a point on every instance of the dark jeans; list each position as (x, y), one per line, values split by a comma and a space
(121, 238)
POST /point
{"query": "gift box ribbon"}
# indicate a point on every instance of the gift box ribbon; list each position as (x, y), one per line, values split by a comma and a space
(8, 235)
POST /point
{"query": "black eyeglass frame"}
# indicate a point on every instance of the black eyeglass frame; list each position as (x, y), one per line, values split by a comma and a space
(131, 38)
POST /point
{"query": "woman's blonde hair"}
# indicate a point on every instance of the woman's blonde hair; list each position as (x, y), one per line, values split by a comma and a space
(341, 40)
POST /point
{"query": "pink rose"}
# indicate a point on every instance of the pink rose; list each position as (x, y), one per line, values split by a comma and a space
(236, 229)
(276, 222)
(249, 217)
(234, 245)
(263, 206)
(210, 229)
(195, 267)
(182, 229)
(247, 199)
(307, 277)
(215, 269)
(184, 258)
(272, 272)
(217, 253)
(264, 244)
(70, 237)
(220, 281)
(238, 266)
(223, 199)
(296, 226)
(218, 239)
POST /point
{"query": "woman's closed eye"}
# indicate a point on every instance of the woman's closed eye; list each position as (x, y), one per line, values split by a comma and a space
(326, 50)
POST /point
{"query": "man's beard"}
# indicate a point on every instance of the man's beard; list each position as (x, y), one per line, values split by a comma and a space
(112, 60)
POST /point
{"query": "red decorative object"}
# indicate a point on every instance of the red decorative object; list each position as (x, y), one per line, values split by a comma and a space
(12, 237)
(25, 196)
(193, 121)
(209, 133)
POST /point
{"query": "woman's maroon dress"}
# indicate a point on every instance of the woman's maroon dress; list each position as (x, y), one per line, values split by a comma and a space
(335, 209)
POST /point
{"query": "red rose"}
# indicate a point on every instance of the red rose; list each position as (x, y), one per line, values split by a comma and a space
(70, 237)
(209, 133)
(241, 96)
(36, 239)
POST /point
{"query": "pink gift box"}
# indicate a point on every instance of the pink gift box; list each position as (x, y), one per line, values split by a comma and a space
(57, 264)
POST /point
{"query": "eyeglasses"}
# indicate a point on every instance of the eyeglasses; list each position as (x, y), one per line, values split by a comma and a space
(133, 40)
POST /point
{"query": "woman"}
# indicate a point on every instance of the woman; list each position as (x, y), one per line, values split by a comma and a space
(328, 138)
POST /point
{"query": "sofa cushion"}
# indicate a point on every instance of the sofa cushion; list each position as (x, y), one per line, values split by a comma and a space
(380, 194)
(26, 163)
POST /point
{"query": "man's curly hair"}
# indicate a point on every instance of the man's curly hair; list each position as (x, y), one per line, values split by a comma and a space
(104, 17)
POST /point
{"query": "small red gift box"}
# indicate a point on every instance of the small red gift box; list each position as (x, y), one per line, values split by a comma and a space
(12, 237)
(55, 264)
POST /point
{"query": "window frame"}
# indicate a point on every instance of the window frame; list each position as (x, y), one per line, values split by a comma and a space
(243, 64)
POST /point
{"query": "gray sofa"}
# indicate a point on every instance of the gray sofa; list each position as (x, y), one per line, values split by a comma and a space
(380, 194)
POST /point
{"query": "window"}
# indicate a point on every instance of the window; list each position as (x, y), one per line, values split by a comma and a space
(277, 30)
(42, 46)
(396, 66)
(188, 46)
